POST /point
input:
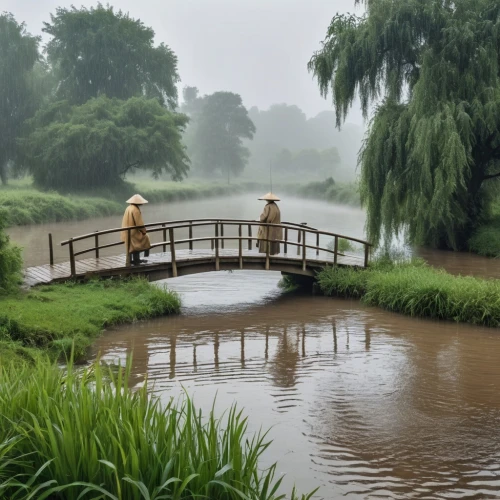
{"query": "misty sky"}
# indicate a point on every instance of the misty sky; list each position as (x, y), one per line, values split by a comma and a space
(257, 48)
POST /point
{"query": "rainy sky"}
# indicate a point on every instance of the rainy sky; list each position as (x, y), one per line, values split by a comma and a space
(257, 48)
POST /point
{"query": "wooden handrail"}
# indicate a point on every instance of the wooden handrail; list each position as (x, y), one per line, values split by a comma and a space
(217, 241)
(209, 222)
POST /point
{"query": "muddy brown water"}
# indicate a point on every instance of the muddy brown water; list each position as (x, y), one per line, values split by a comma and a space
(359, 401)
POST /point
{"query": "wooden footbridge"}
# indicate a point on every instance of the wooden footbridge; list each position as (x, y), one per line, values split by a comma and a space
(219, 244)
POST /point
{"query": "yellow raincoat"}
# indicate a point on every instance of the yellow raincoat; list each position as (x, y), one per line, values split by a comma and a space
(271, 215)
(139, 239)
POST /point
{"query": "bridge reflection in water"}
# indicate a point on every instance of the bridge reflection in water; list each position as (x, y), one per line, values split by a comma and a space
(362, 402)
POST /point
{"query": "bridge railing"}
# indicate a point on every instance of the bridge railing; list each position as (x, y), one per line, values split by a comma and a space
(218, 239)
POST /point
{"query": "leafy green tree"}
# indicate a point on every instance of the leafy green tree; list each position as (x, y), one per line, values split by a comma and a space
(10, 259)
(433, 145)
(18, 55)
(97, 143)
(97, 51)
(219, 127)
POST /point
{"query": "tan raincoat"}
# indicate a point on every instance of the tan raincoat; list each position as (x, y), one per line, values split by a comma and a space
(139, 239)
(271, 215)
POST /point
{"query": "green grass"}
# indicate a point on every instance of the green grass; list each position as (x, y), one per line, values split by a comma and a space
(29, 206)
(25, 204)
(84, 434)
(416, 289)
(56, 317)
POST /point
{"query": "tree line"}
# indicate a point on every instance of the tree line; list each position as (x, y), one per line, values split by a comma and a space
(103, 103)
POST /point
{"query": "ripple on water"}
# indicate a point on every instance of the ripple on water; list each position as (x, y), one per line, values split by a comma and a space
(364, 403)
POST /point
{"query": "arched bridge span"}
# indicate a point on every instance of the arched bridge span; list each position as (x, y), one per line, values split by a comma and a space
(182, 247)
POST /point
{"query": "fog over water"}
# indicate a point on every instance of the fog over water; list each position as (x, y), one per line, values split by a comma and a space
(258, 49)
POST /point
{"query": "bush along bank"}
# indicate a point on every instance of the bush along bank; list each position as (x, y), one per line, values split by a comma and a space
(416, 289)
(56, 318)
(330, 191)
(85, 434)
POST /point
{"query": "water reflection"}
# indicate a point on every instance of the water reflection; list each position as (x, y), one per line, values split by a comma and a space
(365, 403)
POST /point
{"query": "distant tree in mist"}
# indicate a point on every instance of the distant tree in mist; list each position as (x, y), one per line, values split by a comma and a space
(97, 51)
(219, 123)
(307, 162)
(18, 100)
(286, 127)
(282, 125)
(99, 142)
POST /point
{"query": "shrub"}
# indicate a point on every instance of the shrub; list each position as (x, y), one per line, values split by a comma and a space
(416, 289)
(10, 260)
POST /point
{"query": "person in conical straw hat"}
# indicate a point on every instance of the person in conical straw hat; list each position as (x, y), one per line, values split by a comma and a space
(139, 239)
(268, 235)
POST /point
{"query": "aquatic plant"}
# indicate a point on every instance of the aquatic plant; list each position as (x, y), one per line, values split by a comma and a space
(85, 434)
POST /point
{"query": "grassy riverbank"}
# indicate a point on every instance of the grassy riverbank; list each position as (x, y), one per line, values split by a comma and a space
(51, 319)
(68, 434)
(416, 289)
(26, 205)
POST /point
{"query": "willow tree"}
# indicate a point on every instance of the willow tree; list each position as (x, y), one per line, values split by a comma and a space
(429, 71)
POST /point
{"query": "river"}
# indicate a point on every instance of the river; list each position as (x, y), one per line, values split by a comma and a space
(361, 402)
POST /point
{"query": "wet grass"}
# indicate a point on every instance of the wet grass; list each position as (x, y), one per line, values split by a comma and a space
(84, 434)
(24, 204)
(416, 289)
(56, 317)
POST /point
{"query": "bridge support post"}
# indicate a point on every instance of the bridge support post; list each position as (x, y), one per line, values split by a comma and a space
(217, 264)
(286, 241)
(127, 256)
(249, 237)
(268, 245)
(164, 238)
(304, 251)
(51, 250)
(96, 245)
(335, 250)
(190, 235)
(172, 251)
(240, 248)
(317, 244)
(72, 258)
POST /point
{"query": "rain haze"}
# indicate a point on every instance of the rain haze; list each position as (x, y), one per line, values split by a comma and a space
(258, 49)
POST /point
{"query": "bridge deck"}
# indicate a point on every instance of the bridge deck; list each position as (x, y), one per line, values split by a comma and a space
(187, 261)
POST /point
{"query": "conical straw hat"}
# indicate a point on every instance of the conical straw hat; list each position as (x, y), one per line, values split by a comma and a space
(269, 197)
(137, 199)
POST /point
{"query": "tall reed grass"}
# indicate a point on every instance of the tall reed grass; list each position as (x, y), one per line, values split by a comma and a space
(84, 434)
(416, 289)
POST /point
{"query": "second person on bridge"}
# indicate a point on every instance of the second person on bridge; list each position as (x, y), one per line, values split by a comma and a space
(139, 239)
(268, 235)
